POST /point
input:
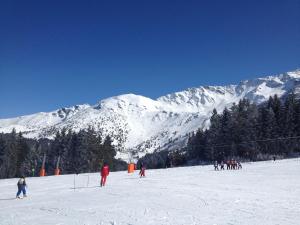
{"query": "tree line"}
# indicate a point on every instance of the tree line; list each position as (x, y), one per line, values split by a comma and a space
(250, 132)
(75, 152)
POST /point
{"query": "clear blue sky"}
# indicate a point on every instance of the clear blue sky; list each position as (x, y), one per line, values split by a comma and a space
(60, 53)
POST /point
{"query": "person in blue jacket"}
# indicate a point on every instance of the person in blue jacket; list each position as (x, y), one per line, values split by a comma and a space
(21, 187)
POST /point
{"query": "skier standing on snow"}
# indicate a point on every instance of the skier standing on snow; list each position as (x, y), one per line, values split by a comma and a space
(235, 164)
(228, 164)
(216, 165)
(21, 187)
(104, 174)
(222, 165)
(239, 165)
(232, 164)
(142, 171)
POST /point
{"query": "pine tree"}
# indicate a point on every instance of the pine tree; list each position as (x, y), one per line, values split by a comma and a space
(33, 159)
(225, 137)
(297, 125)
(267, 130)
(22, 149)
(108, 151)
(3, 154)
(276, 107)
(59, 149)
(289, 125)
(244, 122)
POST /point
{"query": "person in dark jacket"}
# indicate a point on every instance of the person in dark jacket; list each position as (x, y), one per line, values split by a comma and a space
(222, 165)
(142, 171)
(228, 164)
(239, 165)
(216, 165)
(21, 187)
(104, 174)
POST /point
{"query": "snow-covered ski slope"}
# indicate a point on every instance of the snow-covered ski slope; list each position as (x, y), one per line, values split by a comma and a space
(263, 193)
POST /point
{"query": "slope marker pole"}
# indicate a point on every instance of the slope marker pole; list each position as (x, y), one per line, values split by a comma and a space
(88, 181)
(74, 182)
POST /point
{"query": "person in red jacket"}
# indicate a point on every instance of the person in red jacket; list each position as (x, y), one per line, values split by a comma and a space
(104, 174)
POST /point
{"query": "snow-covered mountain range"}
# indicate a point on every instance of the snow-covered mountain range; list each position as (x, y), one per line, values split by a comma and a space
(140, 125)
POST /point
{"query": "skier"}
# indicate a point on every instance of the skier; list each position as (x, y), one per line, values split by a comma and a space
(234, 164)
(231, 164)
(216, 165)
(142, 171)
(104, 174)
(21, 187)
(222, 165)
(239, 165)
(228, 164)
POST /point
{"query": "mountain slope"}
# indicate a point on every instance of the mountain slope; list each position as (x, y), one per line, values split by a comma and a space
(140, 125)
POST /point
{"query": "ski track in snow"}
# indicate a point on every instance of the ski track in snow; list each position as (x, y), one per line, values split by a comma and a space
(266, 193)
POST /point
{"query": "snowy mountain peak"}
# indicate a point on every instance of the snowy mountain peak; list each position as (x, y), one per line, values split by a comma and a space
(294, 74)
(140, 125)
(70, 111)
(129, 102)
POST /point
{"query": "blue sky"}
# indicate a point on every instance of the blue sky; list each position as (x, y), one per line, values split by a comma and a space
(61, 53)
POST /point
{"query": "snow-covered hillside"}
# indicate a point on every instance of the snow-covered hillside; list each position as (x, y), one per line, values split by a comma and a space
(265, 193)
(142, 125)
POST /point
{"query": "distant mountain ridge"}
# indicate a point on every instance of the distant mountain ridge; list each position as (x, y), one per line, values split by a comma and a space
(140, 125)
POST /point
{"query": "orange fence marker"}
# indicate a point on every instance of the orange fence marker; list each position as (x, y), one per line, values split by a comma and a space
(131, 167)
(42, 172)
(57, 170)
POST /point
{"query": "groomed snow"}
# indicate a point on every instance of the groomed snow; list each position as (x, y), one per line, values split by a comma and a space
(264, 193)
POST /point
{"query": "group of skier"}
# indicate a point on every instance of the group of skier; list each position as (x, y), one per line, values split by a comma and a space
(104, 174)
(230, 165)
